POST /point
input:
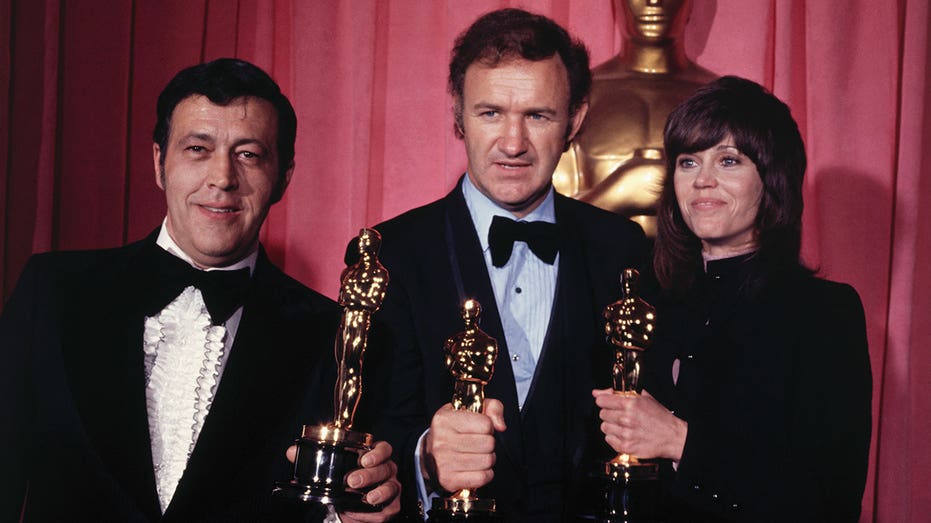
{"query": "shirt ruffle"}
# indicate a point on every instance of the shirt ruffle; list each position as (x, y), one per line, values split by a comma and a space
(183, 354)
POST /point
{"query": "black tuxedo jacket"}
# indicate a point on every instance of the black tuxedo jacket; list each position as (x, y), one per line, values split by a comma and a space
(74, 440)
(434, 259)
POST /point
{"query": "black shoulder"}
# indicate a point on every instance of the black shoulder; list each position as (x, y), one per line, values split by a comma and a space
(413, 221)
(401, 233)
(598, 221)
(824, 295)
(87, 262)
(295, 295)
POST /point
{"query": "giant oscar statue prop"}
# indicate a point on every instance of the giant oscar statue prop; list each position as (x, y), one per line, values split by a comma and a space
(631, 487)
(327, 453)
(470, 358)
(617, 162)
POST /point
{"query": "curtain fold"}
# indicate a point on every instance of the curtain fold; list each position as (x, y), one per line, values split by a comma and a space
(79, 80)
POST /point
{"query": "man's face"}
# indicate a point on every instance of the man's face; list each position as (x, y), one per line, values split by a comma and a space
(515, 124)
(220, 174)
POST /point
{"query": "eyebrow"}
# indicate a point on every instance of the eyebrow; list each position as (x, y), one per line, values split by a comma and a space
(725, 147)
(206, 137)
(196, 136)
(495, 107)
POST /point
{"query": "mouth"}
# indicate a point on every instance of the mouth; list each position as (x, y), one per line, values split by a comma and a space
(219, 209)
(706, 204)
(651, 19)
(512, 165)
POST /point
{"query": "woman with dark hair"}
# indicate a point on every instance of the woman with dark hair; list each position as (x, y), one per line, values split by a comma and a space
(757, 387)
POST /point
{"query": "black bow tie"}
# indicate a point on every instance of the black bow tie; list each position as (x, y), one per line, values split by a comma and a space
(541, 237)
(223, 291)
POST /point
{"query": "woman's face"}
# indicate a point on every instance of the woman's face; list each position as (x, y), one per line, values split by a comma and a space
(719, 192)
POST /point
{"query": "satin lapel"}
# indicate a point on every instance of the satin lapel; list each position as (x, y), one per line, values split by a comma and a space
(102, 350)
(570, 341)
(476, 284)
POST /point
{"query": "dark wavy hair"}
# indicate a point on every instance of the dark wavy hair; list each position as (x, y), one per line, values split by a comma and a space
(508, 34)
(762, 128)
(222, 81)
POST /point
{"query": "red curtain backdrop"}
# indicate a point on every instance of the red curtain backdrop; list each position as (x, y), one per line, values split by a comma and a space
(79, 79)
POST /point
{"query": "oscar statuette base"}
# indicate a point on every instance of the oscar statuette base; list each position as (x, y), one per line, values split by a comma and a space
(631, 491)
(464, 508)
(325, 456)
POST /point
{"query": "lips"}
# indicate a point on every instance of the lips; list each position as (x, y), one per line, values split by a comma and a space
(706, 204)
(512, 164)
(219, 209)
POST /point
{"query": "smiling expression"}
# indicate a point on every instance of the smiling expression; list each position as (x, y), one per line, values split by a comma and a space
(219, 175)
(719, 191)
(515, 126)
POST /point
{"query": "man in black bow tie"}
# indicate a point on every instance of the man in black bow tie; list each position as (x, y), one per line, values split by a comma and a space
(164, 380)
(542, 266)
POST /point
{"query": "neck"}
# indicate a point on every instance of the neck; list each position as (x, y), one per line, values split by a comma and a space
(654, 57)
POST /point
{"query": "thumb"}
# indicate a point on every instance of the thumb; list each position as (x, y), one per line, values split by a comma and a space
(494, 409)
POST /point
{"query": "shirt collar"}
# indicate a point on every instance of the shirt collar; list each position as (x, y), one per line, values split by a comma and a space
(483, 210)
(165, 241)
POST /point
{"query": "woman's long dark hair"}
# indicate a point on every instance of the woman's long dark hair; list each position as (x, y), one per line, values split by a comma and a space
(762, 128)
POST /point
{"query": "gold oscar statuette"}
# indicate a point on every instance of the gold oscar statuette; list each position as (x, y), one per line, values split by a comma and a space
(327, 453)
(617, 161)
(631, 488)
(470, 358)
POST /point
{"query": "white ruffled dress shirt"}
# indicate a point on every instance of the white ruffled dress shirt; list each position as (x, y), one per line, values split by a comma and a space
(184, 359)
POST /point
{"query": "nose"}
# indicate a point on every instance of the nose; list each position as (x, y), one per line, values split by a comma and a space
(222, 173)
(706, 177)
(513, 141)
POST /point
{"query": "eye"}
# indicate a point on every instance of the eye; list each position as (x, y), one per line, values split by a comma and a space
(536, 116)
(730, 161)
(196, 148)
(488, 114)
(686, 162)
(250, 155)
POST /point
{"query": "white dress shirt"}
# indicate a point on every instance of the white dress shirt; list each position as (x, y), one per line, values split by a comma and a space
(524, 288)
(185, 355)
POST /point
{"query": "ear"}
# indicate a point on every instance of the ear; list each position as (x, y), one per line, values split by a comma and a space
(282, 184)
(457, 117)
(575, 122)
(157, 166)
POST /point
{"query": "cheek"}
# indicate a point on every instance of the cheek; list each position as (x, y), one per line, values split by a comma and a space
(751, 197)
(680, 189)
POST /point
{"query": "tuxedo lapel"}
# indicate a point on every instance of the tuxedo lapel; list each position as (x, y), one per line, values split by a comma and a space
(102, 348)
(267, 375)
(469, 261)
(572, 338)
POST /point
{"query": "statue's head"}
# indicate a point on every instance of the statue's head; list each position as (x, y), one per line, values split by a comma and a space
(655, 20)
(369, 241)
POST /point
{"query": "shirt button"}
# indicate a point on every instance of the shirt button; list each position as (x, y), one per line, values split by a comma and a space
(515, 357)
(518, 290)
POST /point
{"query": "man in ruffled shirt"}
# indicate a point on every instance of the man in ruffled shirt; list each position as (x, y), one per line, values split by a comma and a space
(163, 380)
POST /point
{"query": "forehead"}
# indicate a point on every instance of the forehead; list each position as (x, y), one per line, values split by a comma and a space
(539, 82)
(246, 116)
